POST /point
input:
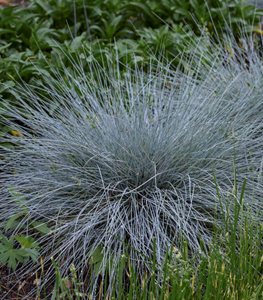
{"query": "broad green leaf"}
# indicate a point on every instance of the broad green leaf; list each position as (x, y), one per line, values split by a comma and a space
(41, 227)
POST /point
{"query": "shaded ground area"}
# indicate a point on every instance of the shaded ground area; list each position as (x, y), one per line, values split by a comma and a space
(12, 287)
(11, 2)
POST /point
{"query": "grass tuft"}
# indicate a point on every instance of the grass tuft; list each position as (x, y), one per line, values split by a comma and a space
(152, 159)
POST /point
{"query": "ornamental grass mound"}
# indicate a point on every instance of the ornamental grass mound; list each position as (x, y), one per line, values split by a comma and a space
(134, 160)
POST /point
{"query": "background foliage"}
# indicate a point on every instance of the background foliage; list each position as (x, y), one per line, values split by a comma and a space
(30, 34)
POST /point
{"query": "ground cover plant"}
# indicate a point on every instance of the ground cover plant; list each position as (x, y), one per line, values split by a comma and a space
(141, 27)
(130, 176)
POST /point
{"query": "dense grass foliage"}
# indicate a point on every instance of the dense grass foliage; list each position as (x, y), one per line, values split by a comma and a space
(149, 159)
(131, 149)
(232, 269)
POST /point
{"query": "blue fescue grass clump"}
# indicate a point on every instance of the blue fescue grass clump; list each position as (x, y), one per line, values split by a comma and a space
(146, 158)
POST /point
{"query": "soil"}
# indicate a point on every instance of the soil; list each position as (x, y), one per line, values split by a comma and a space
(14, 288)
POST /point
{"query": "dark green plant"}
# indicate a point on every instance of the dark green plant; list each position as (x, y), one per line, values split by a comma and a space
(17, 250)
(26, 30)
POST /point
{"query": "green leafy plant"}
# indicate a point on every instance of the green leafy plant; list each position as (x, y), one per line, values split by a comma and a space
(27, 30)
(17, 250)
(20, 248)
